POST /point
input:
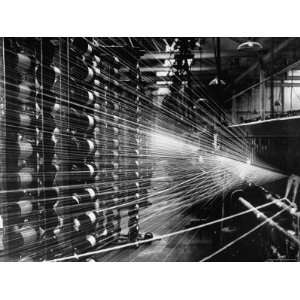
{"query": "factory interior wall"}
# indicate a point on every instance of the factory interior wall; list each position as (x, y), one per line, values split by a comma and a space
(248, 106)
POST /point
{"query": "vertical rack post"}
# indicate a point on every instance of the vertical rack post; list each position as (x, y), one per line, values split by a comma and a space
(63, 146)
(3, 210)
(21, 218)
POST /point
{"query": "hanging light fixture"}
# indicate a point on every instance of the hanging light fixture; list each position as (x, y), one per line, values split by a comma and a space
(250, 46)
(217, 81)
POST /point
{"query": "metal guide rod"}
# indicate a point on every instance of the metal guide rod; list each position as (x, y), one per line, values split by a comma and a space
(271, 222)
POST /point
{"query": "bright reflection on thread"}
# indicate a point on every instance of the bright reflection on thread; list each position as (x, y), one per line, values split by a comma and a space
(165, 142)
(247, 172)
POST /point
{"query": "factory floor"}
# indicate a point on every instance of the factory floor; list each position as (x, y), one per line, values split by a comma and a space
(189, 246)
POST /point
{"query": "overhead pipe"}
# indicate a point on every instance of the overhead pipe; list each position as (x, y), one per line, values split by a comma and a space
(218, 60)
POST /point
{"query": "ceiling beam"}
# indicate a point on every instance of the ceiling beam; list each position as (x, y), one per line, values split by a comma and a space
(160, 68)
(204, 54)
(284, 84)
(296, 77)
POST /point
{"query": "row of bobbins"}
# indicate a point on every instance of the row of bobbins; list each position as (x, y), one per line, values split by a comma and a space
(134, 195)
(111, 151)
(84, 194)
(75, 127)
(145, 122)
(48, 77)
(21, 218)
